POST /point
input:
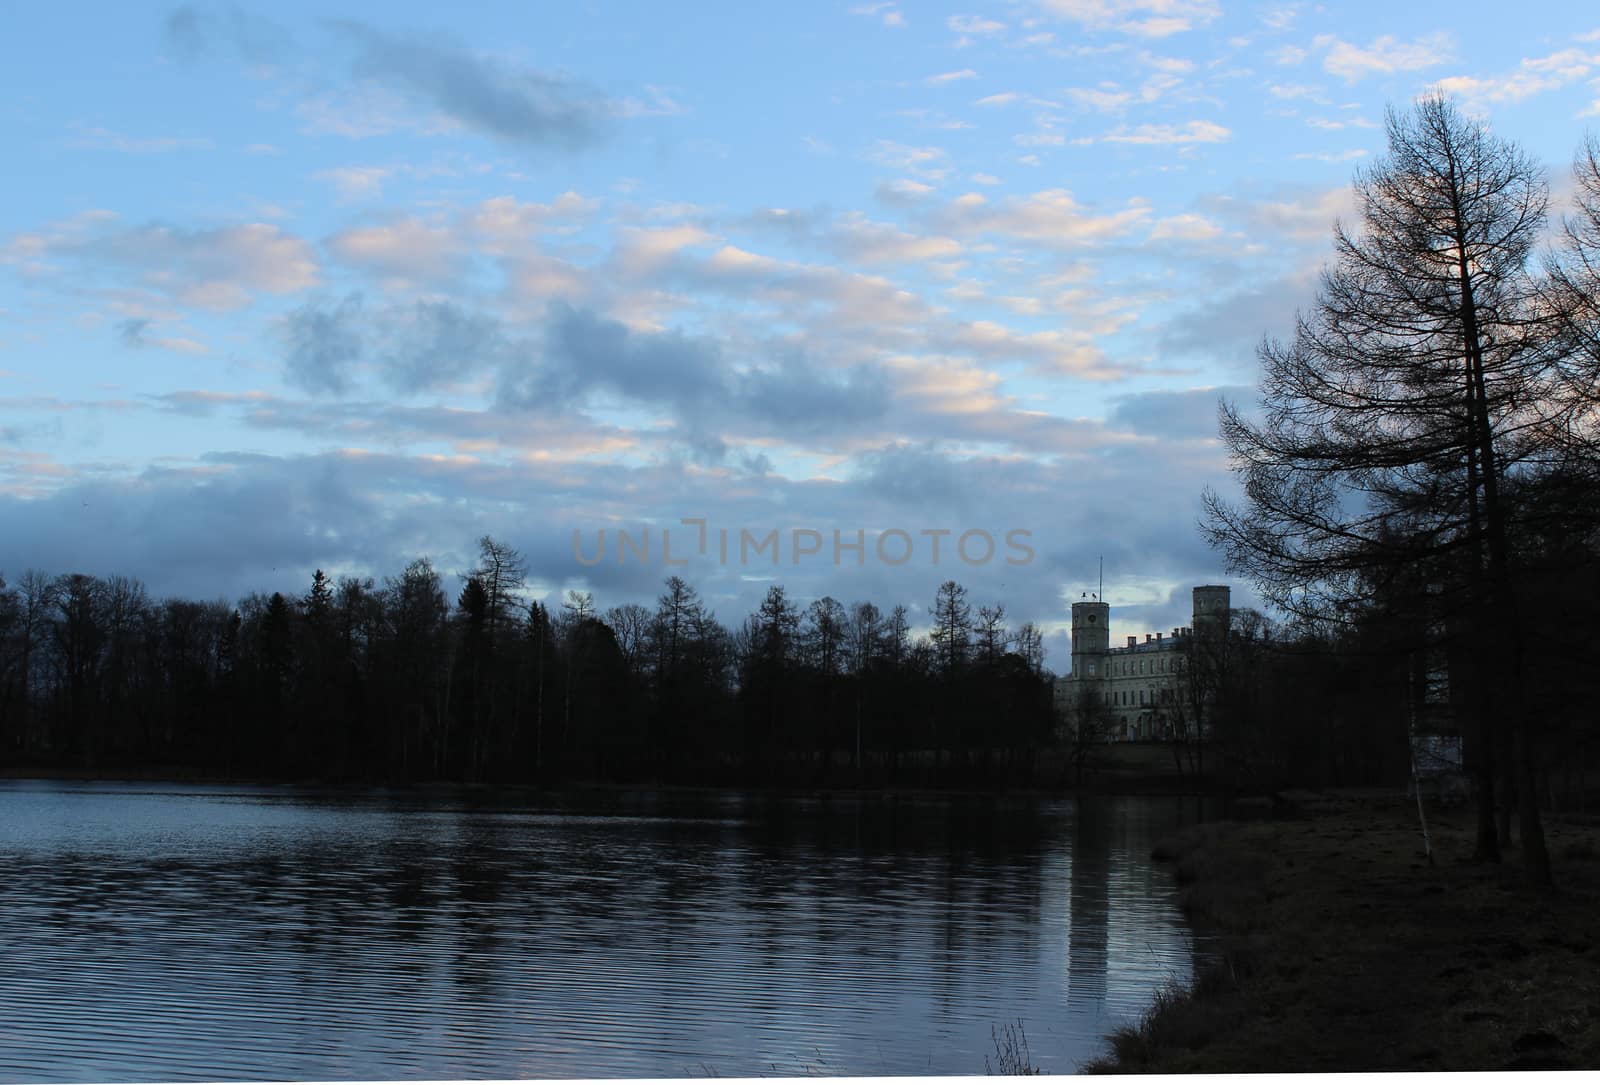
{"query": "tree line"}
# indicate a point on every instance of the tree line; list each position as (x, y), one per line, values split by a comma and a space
(356, 680)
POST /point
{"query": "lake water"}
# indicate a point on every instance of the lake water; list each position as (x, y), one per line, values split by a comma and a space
(153, 932)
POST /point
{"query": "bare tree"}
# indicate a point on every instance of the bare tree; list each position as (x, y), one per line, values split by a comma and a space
(864, 637)
(824, 636)
(1572, 301)
(502, 574)
(630, 623)
(1407, 397)
(897, 636)
(991, 634)
(952, 627)
(1088, 727)
(676, 610)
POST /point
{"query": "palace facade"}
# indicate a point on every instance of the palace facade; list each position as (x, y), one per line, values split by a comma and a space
(1132, 690)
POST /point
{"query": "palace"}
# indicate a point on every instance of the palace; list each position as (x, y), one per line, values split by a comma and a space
(1134, 689)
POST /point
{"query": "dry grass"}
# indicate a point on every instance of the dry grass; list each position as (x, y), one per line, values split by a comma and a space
(1343, 950)
(1012, 1057)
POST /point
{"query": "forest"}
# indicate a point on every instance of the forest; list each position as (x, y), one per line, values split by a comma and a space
(408, 681)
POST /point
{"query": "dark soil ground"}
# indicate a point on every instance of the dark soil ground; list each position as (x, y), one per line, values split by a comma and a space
(1340, 948)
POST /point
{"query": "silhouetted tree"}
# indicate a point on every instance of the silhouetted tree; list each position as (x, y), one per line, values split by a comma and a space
(1395, 415)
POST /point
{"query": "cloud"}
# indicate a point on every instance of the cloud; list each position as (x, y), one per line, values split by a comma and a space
(107, 140)
(1140, 18)
(239, 522)
(641, 251)
(660, 104)
(1052, 353)
(193, 31)
(973, 24)
(1534, 75)
(357, 182)
(1329, 125)
(1386, 55)
(1288, 214)
(512, 102)
(1334, 156)
(950, 77)
(903, 192)
(1168, 65)
(1186, 227)
(322, 343)
(231, 524)
(1051, 217)
(504, 225)
(1228, 327)
(916, 475)
(887, 13)
(857, 238)
(1291, 91)
(1281, 18)
(217, 268)
(433, 343)
(854, 237)
(548, 438)
(130, 333)
(925, 162)
(848, 309)
(427, 344)
(1106, 98)
(534, 278)
(1189, 132)
(405, 249)
(1182, 415)
(584, 355)
(133, 333)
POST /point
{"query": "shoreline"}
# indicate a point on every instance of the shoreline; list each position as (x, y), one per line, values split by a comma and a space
(1339, 948)
(1133, 777)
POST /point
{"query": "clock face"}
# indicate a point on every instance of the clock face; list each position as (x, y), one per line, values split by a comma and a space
(1092, 618)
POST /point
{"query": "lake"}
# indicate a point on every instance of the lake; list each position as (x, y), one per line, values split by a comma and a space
(168, 932)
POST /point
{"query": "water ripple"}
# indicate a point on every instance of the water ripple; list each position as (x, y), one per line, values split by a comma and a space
(253, 934)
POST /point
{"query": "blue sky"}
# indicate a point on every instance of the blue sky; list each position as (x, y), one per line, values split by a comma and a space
(282, 288)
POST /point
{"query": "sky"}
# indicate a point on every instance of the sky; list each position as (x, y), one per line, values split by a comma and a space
(294, 286)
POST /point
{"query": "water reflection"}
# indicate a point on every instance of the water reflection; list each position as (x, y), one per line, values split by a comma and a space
(202, 933)
(1090, 908)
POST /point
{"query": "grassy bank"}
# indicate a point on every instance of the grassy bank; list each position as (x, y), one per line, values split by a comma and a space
(1339, 948)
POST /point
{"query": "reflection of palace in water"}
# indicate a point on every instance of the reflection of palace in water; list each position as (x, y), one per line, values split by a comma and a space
(1113, 959)
(1090, 901)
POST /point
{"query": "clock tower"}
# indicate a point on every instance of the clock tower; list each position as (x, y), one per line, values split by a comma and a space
(1091, 638)
(1211, 610)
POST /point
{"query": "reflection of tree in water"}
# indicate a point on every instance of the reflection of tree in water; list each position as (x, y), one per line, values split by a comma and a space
(448, 939)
